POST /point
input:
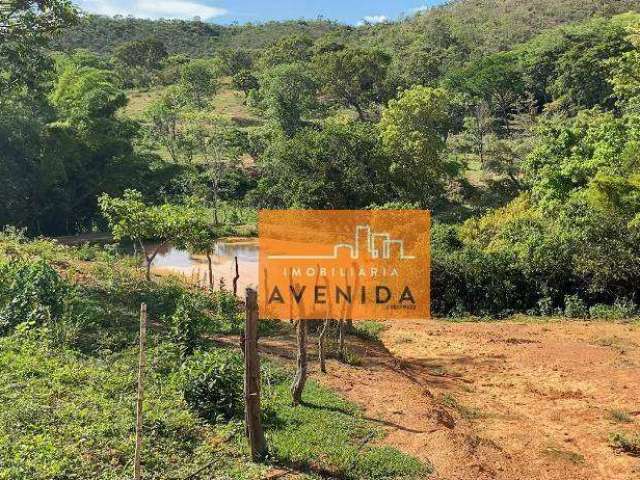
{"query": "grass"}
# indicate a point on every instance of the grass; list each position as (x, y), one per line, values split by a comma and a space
(368, 330)
(69, 415)
(620, 416)
(139, 100)
(626, 443)
(72, 416)
(230, 104)
(327, 434)
(227, 102)
(567, 455)
(468, 413)
(68, 393)
(619, 344)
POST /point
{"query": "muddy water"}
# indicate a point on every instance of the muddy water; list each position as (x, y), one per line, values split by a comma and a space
(194, 269)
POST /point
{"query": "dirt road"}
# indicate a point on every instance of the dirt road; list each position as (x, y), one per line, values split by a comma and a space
(501, 400)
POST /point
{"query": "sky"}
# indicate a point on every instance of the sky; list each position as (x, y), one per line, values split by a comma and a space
(242, 11)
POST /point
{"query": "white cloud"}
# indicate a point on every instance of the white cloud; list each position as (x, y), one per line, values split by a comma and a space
(373, 19)
(422, 8)
(152, 8)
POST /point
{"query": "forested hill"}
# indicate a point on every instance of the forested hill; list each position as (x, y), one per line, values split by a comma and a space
(472, 25)
(492, 25)
(195, 38)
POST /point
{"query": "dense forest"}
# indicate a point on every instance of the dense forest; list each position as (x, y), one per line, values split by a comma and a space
(514, 124)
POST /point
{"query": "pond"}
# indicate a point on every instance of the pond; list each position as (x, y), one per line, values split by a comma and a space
(194, 269)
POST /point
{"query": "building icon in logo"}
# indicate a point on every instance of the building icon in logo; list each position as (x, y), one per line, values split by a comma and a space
(366, 242)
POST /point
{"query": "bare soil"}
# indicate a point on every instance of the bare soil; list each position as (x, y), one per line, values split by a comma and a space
(498, 400)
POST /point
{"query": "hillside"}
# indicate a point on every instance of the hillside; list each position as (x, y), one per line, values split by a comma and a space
(470, 25)
(494, 25)
(102, 34)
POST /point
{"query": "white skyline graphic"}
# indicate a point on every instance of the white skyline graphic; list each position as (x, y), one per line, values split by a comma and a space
(354, 248)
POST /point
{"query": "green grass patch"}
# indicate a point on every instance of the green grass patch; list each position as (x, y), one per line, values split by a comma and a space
(620, 416)
(67, 415)
(566, 455)
(327, 434)
(626, 443)
(368, 329)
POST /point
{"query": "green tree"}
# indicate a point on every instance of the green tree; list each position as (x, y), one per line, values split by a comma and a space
(148, 53)
(496, 80)
(571, 68)
(340, 165)
(626, 75)
(288, 93)
(201, 238)
(199, 80)
(354, 77)
(245, 81)
(236, 60)
(136, 61)
(288, 49)
(130, 217)
(167, 124)
(26, 27)
(86, 93)
(414, 129)
(85, 150)
(217, 151)
(171, 69)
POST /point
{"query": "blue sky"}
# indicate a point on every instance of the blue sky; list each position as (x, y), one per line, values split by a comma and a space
(242, 11)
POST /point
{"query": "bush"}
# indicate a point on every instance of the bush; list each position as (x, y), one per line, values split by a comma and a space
(477, 282)
(545, 306)
(574, 307)
(621, 309)
(188, 322)
(31, 292)
(213, 385)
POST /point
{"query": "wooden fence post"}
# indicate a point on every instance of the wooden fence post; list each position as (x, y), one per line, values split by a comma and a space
(321, 344)
(235, 279)
(301, 363)
(142, 362)
(255, 434)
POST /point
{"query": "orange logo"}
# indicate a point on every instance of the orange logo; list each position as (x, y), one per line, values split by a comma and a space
(344, 264)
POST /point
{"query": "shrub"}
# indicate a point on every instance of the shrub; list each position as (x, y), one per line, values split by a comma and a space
(30, 292)
(188, 322)
(574, 307)
(621, 309)
(470, 280)
(213, 385)
(545, 306)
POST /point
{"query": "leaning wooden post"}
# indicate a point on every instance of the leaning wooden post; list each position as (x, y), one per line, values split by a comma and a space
(142, 362)
(235, 279)
(255, 434)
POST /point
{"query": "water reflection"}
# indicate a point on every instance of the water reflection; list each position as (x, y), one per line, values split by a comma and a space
(194, 268)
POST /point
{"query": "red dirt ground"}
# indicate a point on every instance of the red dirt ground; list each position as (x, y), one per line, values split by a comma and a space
(505, 400)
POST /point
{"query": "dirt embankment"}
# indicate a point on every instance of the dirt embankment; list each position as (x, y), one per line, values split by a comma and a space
(499, 400)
